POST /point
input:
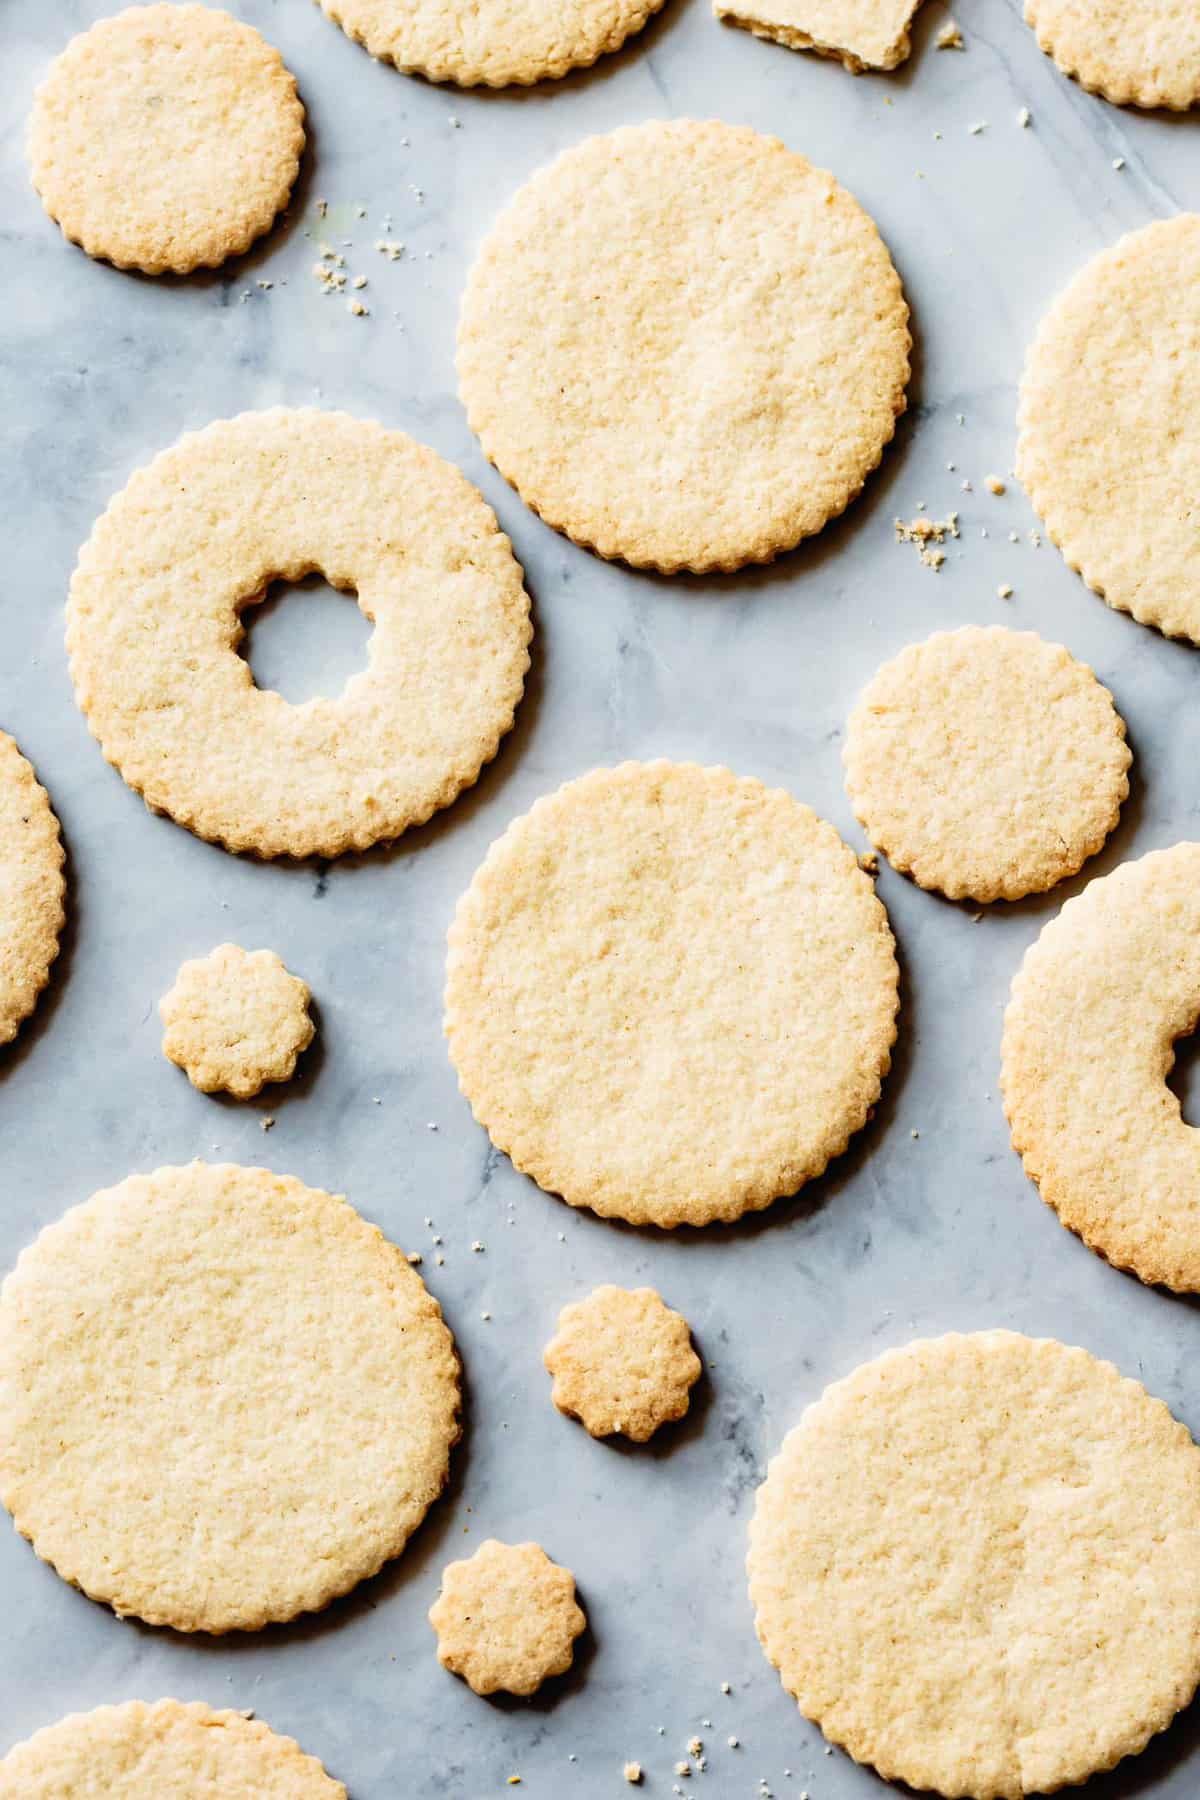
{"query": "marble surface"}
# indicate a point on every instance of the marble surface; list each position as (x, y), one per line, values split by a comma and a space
(926, 1225)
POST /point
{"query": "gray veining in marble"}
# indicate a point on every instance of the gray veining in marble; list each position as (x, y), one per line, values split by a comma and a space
(908, 1233)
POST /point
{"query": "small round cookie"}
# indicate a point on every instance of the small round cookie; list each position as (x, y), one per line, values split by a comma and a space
(506, 1618)
(976, 1565)
(986, 763)
(1134, 52)
(622, 1361)
(676, 416)
(1097, 1007)
(166, 138)
(154, 623)
(510, 44)
(31, 888)
(225, 1398)
(671, 994)
(236, 1019)
(1109, 445)
(142, 1751)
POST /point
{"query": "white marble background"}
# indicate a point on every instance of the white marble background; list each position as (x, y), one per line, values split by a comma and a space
(907, 1234)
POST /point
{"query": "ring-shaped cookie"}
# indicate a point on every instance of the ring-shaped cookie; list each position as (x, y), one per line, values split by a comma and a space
(154, 624)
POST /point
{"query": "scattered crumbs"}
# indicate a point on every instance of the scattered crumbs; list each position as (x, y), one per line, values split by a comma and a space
(632, 1772)
(725, 1688)
(994, 485)
(732, 1742)
(485, 1316)
(390, 247)
(265, 1124)
(415, 1258)
(926, 534)
(1118, 162)
(975, 129)
(950, 37)
(695, 1747)
(360, 281)
(868, 862)
(514, 1781)
(357, 308)
(478, 1245)
(683, 1768)
(1024, 118)
(1005, 590)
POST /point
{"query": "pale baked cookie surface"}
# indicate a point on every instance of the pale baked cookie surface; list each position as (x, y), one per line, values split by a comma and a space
(976, 1565)
(676, 417)
(141, 1751)
(506, 1618)
(505, 43)
(862, 34)
(166, 138)
(1089, 1039)
(236, 1019)
(153, 626)
(671, 994)
(224, 1397)
(622, 1361)
(986, 763)
(1109, 445)
(1134, 52)
(31, 888)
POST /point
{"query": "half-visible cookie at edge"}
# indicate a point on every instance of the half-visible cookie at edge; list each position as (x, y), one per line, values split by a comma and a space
(225, 1398)
(671, 993)
(986, 763)
(1134, 52)
(1109, 445)
(976, 1565)
(676, 417)
(166, 138)
(181, 1749)
(861, 34)
(1097, 1007)
(32, 888)
(192, 541)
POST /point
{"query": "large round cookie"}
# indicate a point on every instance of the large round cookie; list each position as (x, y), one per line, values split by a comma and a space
(1134, 52)
(504, 43)
(31, 888)
(176, 1749)
(1089, 1040)
(976, 1565)
(1109, 446)
(167, 137)
(671, 994)
(154, 623)
(224, 1397)
(729, 349)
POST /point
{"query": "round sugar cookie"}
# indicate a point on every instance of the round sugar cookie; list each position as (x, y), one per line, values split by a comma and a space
(142, 1751)
(1134, 52)
(976, 1565)
(225, 1398)
(31, 888)
(166, 138)
(507, 43)
(154, 623)
(986, 763)
(671, 994)
(1089, 1039)
(1109, 444)
(729, 353)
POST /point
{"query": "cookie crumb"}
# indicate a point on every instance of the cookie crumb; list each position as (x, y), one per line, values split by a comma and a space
(926, 534)
(1118, 162)
(415, 1258)
(265, 1124)
(949, 37)
(725, 1688)
(357, 308)
(1024, 118)
(994, 485)
(868, 862)
(1005, 590)
(632, 1772)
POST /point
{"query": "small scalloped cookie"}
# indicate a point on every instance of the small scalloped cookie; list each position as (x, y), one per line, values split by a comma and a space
(166, 138)
(31, 888)
(1109, 444)
(507, 43)
(236, 1019)
(860, 34)
(622, 1362)
(975, 1563)
(986, 763)
(142, 1751)
(675, 417)
(506, 1618)
(1133, 52)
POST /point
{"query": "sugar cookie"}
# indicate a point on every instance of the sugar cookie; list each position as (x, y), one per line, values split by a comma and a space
(861, 34)
(236, 1019)
(224, 1398)
(166, 138)
(509, 44)
(176, 1748)
(622, 1361)
(154, 623)
(986, 763)
(976, 1565)
(31, 888)
(671, 994)
(1134, 52)
(1109, 446)
(506, 1618)
(676, 417)
(1089, 1040)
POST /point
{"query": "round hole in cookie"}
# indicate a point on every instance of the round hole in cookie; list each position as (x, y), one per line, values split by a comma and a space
(1184, 1077)
(305, 639)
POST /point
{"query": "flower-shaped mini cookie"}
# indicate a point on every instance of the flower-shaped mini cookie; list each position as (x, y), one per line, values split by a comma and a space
(622, 1361)
(236, 1019)
(506, 1618)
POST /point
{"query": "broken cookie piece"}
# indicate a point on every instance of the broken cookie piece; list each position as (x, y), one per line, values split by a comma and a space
(861, 34)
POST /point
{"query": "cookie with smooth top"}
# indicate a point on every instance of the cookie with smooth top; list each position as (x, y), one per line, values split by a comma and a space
(32, 888)
(508, 43)
(236, 1019)
(860, 34)
(506, 1618)
(1134, 52)
(622, 1362)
